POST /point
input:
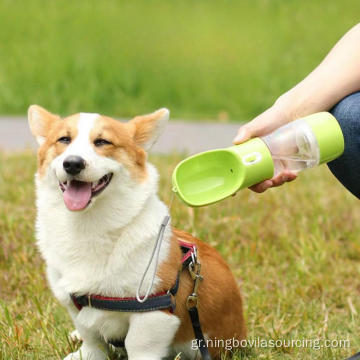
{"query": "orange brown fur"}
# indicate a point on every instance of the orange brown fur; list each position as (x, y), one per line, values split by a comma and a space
(127, 140)
(220, 303)
(125, 137)
(123, 149)
(51, 148)
(143, 126)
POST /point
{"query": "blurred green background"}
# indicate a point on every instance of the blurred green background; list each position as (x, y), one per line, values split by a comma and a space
(296, 251)
(203, 59)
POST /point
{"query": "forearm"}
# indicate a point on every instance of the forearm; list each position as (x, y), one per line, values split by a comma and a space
(337, 76)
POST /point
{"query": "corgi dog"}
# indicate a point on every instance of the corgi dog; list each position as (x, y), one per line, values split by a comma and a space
(98, 216)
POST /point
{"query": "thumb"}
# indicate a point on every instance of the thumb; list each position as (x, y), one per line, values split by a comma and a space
(243, 135)
(261, 125)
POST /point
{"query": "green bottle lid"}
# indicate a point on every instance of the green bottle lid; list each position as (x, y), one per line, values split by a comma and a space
(328, 135)
(256, 162)
(211, 176)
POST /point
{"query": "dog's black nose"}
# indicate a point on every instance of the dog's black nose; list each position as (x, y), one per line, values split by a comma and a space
(73, 164)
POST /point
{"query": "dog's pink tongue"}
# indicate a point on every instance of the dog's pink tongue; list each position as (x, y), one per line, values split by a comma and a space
(77, 195)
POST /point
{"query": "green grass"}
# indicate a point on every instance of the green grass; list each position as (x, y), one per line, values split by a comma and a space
(295, 251)
(202, 59)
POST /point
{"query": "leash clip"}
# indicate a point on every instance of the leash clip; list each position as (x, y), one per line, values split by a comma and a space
(191, 301)
(194, 255)
(194, 270)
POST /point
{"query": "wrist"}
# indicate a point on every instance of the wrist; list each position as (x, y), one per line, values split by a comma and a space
(301, 101)
(286, 106)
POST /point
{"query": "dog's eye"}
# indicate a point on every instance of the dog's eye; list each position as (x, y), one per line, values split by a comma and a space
(65, 140)
(101, 142)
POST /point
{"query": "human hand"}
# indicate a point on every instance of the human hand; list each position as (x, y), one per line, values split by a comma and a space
(263, 124)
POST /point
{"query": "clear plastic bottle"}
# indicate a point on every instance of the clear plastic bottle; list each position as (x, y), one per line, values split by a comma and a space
(293, 147)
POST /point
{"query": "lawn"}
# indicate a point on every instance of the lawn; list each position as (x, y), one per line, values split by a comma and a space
(295, 251)
(203, 59)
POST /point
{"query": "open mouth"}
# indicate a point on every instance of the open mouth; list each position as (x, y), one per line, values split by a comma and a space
(78, 194)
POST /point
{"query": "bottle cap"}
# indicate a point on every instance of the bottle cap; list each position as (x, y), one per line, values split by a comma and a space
(328, 135)
(256, 161)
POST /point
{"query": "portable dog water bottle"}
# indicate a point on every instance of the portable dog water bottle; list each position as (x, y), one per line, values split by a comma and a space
(213, 175)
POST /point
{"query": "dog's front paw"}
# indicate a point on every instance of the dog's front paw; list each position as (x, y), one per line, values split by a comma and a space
(73, 356)
(86, 355)
(75, 336)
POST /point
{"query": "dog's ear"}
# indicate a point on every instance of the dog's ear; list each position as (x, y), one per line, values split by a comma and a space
(147, 128)
(40, 122)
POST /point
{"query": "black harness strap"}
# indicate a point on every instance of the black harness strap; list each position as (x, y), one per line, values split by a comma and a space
(159, 301)
(190, 261)
(200, 340)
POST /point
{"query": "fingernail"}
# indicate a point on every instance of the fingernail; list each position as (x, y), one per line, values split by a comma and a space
(240, 136)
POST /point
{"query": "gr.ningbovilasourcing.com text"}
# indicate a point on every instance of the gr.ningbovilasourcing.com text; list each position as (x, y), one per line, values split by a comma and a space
(316, 344)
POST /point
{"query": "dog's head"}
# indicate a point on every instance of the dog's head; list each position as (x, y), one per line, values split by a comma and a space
(84, 155)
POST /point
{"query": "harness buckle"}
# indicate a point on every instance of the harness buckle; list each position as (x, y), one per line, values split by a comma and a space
(194, 270)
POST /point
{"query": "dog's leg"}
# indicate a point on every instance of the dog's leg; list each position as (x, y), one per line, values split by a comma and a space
(75, 336)
(90, 350)
(93, 347)
(150, 335)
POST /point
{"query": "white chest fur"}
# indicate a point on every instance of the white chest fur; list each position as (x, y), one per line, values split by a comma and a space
(93, 252)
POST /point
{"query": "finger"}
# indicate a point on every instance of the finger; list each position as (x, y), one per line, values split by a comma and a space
(291, 176)
(261, 187)
(257, 127)
(288, 175)
(263, 124)
(279, 180)
(243, 134)
(284, 177)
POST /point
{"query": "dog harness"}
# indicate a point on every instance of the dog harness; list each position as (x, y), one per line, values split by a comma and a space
(159, 301)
